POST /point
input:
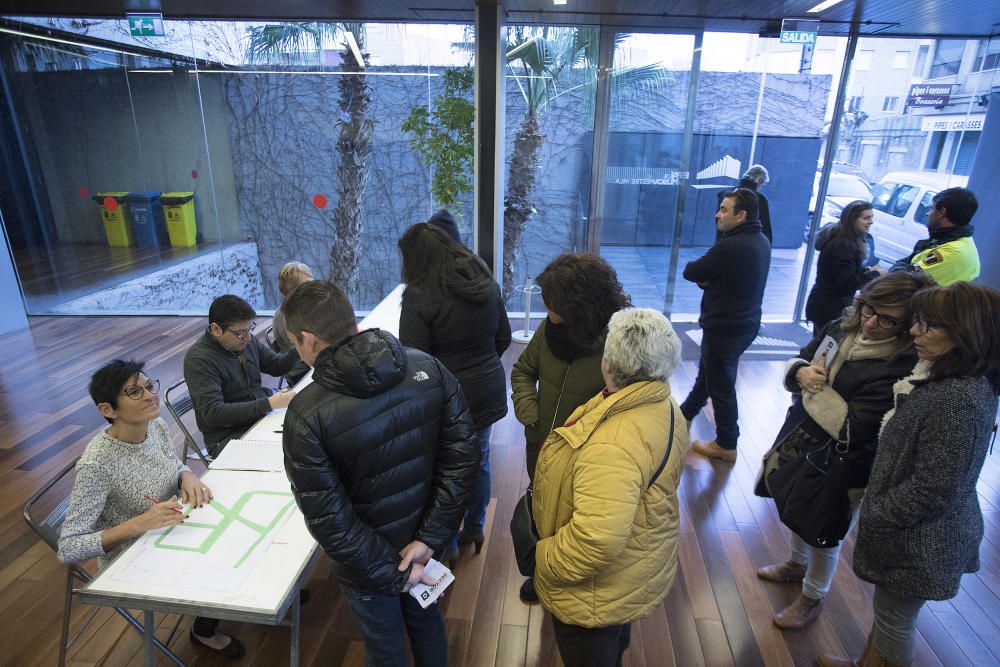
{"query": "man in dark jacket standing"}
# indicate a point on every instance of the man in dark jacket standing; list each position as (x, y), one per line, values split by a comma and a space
(732, 274)
(380, 450)
(222, 370)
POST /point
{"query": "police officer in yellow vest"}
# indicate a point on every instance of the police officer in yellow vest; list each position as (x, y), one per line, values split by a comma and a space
(950, 254)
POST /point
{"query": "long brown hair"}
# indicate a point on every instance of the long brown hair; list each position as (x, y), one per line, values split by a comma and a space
(583, 289)
(971, 314)
(846, 232)
(429, 257)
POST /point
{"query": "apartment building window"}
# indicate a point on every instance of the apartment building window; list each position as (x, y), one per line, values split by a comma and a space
(987, 55)
(854, 103)
(890, 104)
(863, 59)
(947, 58)
(900, 59)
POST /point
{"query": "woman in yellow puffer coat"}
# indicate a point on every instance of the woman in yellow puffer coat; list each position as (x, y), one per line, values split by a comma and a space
(605, 496)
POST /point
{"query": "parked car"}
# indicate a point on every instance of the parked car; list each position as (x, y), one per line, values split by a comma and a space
(901, 201)
(842, 189)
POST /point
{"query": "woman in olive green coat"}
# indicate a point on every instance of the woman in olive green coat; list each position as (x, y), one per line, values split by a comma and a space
(560, 369)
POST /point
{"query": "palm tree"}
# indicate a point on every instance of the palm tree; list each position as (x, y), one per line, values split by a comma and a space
(355, 125)
(541, 59)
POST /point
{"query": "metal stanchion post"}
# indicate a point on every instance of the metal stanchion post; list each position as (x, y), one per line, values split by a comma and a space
(524, 335)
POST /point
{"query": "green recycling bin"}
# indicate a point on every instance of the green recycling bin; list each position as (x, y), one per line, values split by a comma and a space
(178, 208)
(114, 213)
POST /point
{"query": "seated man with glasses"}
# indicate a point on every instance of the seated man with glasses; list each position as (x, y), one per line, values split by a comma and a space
(223, 368)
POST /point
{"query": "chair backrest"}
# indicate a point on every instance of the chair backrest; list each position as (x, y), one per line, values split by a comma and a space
(181, 408)
(45, 510)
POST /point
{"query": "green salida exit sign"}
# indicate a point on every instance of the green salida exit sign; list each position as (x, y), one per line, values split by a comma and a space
(145, 25)
(799, 31)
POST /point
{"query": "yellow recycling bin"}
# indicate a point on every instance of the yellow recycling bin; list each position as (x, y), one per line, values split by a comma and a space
(178, 208)
(114, 212)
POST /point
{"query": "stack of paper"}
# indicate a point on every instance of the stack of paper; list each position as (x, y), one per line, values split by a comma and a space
(263, 455)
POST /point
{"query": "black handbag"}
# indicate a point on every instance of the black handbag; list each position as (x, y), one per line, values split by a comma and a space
(524, 533)
(810, 493)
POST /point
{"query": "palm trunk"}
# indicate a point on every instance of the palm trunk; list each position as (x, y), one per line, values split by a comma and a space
(354, 148)
(519, 203)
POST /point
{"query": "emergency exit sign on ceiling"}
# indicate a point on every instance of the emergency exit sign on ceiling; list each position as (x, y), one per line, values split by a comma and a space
(799, 31)
(145, 25)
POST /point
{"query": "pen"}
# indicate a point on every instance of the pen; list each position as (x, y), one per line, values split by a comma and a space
(154, 500)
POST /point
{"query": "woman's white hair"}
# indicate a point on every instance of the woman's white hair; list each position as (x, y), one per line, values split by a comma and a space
(641, 345)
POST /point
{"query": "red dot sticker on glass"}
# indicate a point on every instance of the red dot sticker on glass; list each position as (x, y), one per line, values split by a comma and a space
(319, 201)
(111, 203)
(194, 174)
(81, 192)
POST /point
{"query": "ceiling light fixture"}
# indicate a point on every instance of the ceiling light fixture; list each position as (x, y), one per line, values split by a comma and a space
(826, 4)
(558, 2)
(353, 43)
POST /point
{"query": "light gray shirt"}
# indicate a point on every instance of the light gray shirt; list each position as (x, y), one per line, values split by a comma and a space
(112, 478)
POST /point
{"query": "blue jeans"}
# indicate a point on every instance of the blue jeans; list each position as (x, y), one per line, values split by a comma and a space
(720, 358)
(385, 621)
(475, 512)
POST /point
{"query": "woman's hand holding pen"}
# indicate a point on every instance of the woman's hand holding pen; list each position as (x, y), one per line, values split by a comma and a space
(160, 515)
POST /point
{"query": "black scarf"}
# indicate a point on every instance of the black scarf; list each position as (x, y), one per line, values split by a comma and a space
(563, 345)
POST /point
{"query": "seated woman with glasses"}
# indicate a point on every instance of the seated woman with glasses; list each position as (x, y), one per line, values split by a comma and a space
(840, 269)
(844, 393)
(921, 524)
(129, 481)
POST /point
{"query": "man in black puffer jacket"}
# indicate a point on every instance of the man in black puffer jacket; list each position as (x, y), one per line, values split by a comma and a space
(380, 450)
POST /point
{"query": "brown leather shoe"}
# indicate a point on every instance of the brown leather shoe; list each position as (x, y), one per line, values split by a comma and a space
(788, 572)
(711, 449)
(866, 658)
(799, 614)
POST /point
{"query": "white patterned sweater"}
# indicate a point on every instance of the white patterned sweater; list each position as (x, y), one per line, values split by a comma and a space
(112, 477)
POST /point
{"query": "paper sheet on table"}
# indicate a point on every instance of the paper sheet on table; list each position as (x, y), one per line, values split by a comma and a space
(250, 455)
(270, 426)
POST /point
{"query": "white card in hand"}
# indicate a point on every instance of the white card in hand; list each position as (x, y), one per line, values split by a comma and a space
(428, 595)
(829, 348)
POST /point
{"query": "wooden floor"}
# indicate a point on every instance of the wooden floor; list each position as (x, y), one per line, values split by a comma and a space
(718, 612)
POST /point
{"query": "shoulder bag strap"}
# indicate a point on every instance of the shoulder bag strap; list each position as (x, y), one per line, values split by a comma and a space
(670, 445)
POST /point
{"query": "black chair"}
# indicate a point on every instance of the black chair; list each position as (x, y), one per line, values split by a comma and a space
(178, 402)
(44, 512)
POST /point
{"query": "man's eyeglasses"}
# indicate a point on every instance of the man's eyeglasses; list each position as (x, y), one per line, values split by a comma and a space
(883, 321)
(244, 334)
(923, 326)
(136, 391)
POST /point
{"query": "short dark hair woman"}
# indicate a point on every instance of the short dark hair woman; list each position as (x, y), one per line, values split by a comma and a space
(840, 270)
(921, 524)
(605, 496)
(122, 467)
(453, 310)
(560, 369)
(844, 396)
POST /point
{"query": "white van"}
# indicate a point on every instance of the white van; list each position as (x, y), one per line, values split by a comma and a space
(901, 201)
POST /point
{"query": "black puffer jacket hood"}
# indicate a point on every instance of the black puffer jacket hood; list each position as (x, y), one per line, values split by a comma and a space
(469, 282)
(370, 363)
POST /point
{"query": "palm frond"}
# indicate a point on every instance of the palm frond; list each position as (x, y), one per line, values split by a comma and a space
(270, 40)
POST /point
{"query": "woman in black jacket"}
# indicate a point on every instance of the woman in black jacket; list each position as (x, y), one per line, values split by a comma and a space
(840, 270)
(453, 310)
(844, 393)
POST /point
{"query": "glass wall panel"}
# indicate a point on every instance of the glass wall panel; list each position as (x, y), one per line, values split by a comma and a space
(551, 83)
(649, 87)
(290, 137)
(758, 102)
(913, 132)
